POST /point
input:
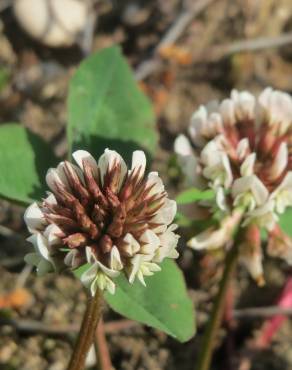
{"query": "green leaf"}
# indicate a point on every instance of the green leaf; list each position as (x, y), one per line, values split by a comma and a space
(193, 194)
(79, 271)
(285, 221)
(163, 304)
(24, 161)
(182, 220)
(107, 109)
(4, 77)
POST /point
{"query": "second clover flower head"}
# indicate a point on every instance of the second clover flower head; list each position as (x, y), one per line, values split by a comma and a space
(102, 214)
(242, 149)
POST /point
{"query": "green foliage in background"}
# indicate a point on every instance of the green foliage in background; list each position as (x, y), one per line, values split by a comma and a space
(286, 221)
(163, 304)
(107, 109)
(4, 77)
(194, 195)
(24, 161)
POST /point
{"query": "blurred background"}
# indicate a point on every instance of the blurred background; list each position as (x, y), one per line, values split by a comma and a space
(183, 54)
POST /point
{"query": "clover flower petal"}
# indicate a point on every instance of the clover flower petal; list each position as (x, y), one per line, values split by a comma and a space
(215, 238)
(251, 254)
(283, 194)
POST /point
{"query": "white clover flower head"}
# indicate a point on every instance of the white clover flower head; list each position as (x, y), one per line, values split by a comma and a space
(102, 214)
(242, 149)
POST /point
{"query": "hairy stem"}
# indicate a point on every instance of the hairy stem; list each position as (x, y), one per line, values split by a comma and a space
(204, 360)
(87, 331)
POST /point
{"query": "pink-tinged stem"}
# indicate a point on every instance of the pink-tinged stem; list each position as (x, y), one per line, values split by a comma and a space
(205, 358)
(272, 325)
(103, 353)
(87, 331)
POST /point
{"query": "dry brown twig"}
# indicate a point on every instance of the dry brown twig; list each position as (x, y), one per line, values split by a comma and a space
(149, 66)
(36, 327)
(262, 312)
(214, 53)
(33, 327)
(218, 52)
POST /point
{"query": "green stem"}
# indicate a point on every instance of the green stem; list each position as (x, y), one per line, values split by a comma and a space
(87, 331)
(206, 352)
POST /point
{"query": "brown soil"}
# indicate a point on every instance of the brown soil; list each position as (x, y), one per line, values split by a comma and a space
(35, 95)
